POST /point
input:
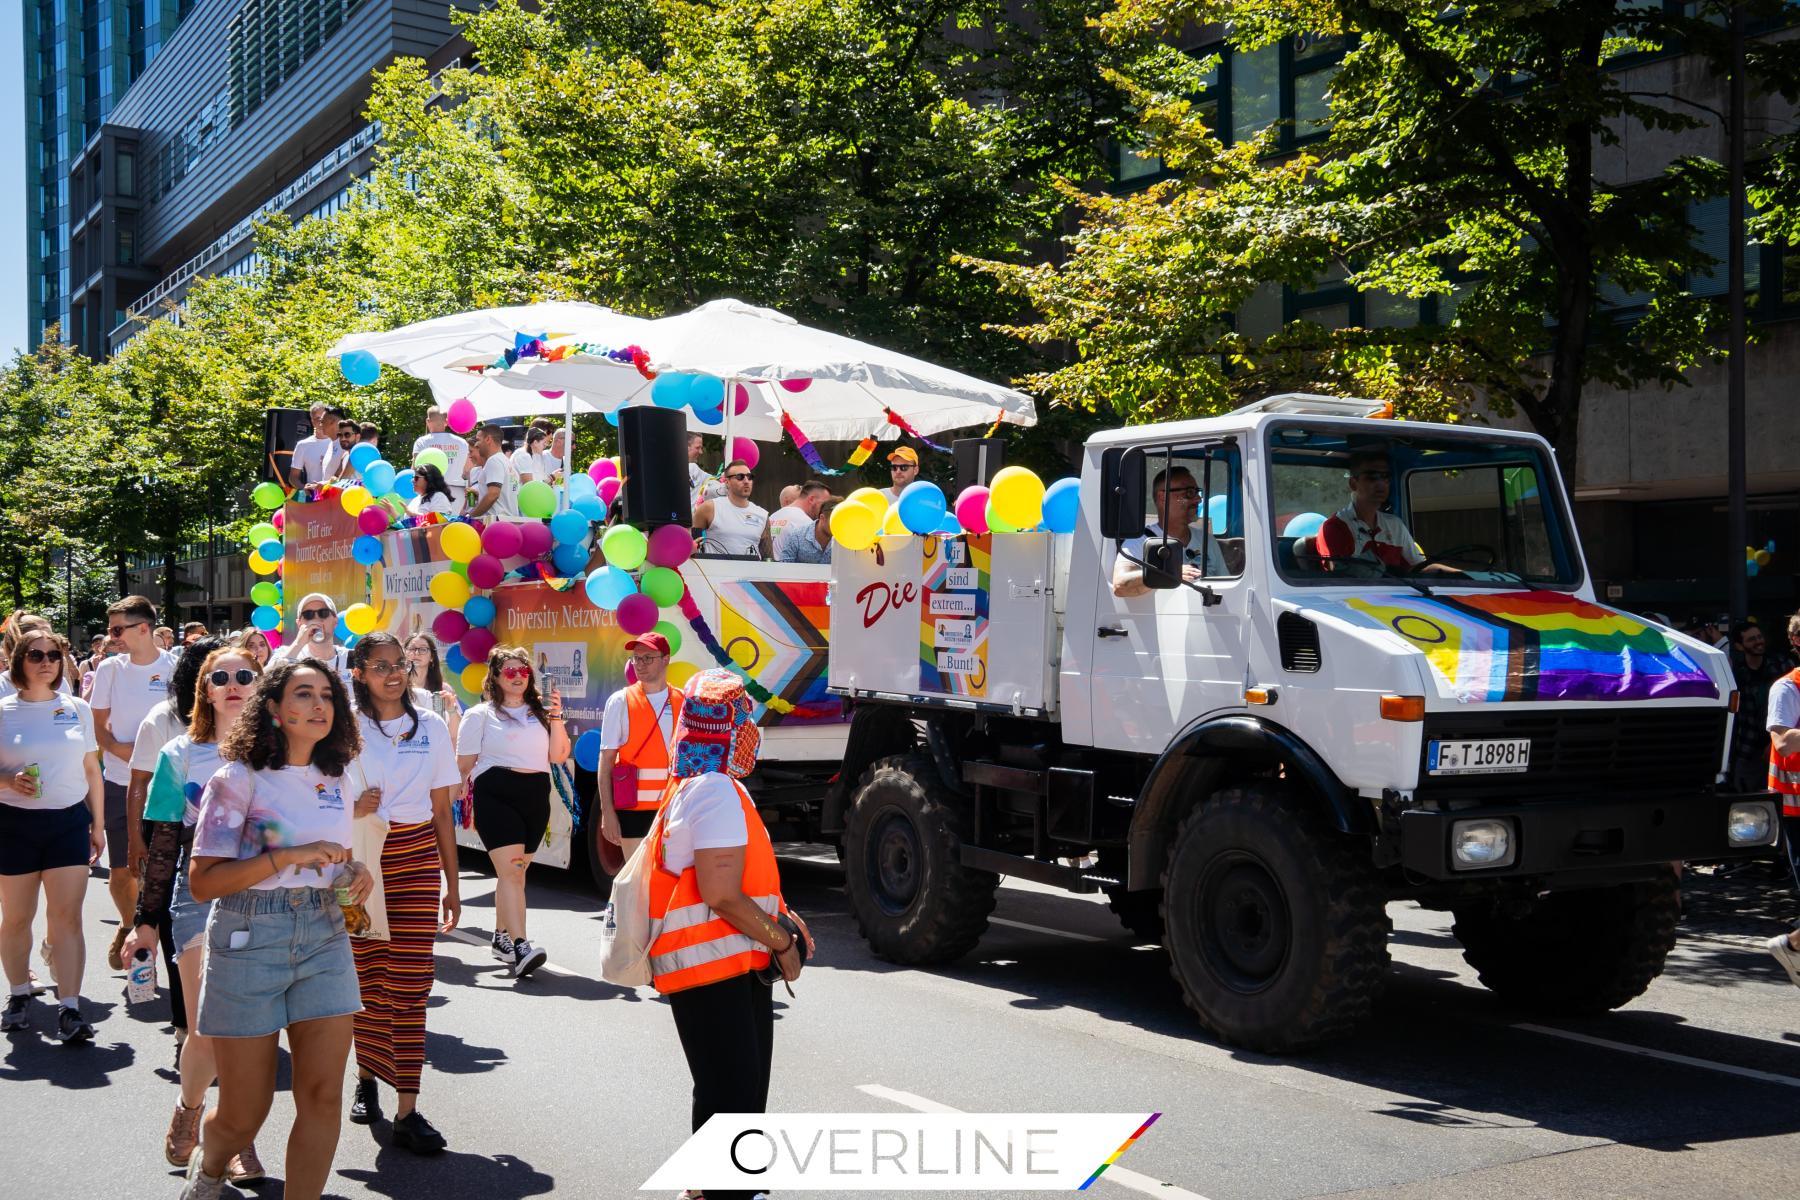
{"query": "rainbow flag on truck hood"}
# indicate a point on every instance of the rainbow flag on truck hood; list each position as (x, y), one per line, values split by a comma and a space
(1502, 647)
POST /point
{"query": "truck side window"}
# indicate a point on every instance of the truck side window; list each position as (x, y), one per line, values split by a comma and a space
(1195, 494)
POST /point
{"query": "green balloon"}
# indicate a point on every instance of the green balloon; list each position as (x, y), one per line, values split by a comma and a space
(264, 532)
(624, 546)
(662, 585)
(668, 630)
(266, 594)
(432, 458)
(461, 569)
(995, 524)
(268, 494)
(537, 499)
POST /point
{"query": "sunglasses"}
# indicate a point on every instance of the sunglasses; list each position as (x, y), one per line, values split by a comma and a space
(43, 656)
(741, 475)
(243, 675)
(515, 672)
(903, 466)
(381, 667)
(316, 614)
(119, 630)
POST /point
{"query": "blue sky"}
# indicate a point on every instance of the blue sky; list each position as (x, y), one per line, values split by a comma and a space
(12, 189)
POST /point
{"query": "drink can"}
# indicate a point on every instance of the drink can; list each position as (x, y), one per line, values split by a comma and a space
(140, 981)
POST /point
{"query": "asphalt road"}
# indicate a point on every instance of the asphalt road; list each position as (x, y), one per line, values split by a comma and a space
(564, 1083)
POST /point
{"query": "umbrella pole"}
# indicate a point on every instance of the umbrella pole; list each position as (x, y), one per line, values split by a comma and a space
(562, 503)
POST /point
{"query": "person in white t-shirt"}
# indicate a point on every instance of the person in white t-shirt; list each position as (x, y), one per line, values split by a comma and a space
(10, 631)
(903, 470)
(733, 525)
(439, 437)
(554, 455)
(528, 459)
(431, 494)
(1176, 494)
(801, 510)
(507, 745)
(52, 813)
(498, 481)
(315, 638)
(315, 458)
(638, 728)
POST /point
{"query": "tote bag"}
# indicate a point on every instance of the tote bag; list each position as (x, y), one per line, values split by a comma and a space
(625, 931)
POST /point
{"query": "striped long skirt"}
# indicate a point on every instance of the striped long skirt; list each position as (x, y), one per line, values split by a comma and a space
(396, 975)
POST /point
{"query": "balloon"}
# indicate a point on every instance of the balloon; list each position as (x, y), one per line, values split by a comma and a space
(612, 417)
(706, 391)
(854, 526)
(355, 498)
(608, 492)
(1017, 496)
(534, 539)
(1218, 513)
(365, 549)
(625, 547)
(569, 527)
(873, 499)
(670, 390)
(710, 416)
(279, 521)
(379, 476)
(591, 507)
(460, 542)
(672, 634)
(608, 586)
(460, 416)
(341, 630)
(432, 457)
(602, 469)
(670, 546)
(372, 520)
(274, 638)
(680, 673)
(362, 454)
(995, 522)
(1303, 525)
(454, 662)
(272, 551)
(448, 626)
(950, 526)
(260, 565)
(501, 539)
(537, 499)
(360, 619)
(263, 531)
(477, 642)
(1763, 558)
(1062, 505)
(580, 485)
(268, 494)
(662, 585)
(796, 385)
(480, 610)
(587, 750)
(461, 569)
(266, 594)
(922, 506)
(892, 525)
(486, 571)
(742, 448)
(569, 559)
(474, 677)
(637, 614)
(740, 401)
(403, 484)
(450, 589)
(265, 618)
(360, 367)
(1752, 568)
(971, 509)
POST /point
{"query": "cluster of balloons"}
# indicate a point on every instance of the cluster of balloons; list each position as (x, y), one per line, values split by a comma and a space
(1016, 501)
(1756, 559)
(704, 394)
(641, 576)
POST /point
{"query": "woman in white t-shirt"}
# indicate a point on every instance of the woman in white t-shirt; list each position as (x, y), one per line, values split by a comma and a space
(271, 842)
(527, 460)
(10, 632)
(52, 826)
(430, 493)
(507, 746)
(425, 671)
(408, 776)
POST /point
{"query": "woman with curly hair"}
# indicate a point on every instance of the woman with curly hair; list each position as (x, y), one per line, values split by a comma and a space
(507, 746)
(272, 840)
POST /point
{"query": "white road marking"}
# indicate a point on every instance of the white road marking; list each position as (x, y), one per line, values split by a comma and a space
(1705, 1064)
(1114, 1174)
(1077, 937)
(463, 935)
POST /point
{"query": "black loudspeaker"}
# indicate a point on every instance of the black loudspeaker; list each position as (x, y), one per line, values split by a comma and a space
(653, 460)
(282, 430)
(977, 461)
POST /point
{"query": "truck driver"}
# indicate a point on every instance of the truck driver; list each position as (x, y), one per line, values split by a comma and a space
(1363, 528)
(1176, 493)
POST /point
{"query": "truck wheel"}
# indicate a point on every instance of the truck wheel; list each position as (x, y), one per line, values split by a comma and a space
(1277, 927)
(1140, 912)
(914, 901)
(1573, 953)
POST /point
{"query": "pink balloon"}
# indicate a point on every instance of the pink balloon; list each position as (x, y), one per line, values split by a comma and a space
(740, 401)
(476, 643)
(279, 520)
(549, 395)
(274, 638)
(609, 490)
(670, 546)
(971, 509)
(638, 614)
(449, 626)
(630, 674)
(534, 539)
(373, 520)
(461, 415)
(602, 469)
(796, 385)
(745, 449)
(501, 539)
(486, 571)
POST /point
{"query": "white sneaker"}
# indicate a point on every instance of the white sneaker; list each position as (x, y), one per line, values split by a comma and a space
(200, 1185)
(1786, 955)
(526, 959)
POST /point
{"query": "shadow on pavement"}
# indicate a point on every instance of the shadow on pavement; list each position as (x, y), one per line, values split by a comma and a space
(449, 1175)
(36, 1054)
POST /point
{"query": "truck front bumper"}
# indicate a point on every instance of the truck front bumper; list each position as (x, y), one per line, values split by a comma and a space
(1576, 836)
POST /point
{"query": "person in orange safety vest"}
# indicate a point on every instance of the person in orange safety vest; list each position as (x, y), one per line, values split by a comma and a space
(1783, 724)
(637, 738)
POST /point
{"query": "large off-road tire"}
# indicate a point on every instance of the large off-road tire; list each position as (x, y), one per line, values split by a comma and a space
(1573, 953)
(1276, 924)
(915, 903)
(1140, 912)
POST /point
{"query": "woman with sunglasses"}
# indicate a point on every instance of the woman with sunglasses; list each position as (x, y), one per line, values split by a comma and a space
(426, 673)
(15, 627)
(409, 777)
(507, 746)
(316, 638)
(431, 493)
(270, 845)
(225, 678)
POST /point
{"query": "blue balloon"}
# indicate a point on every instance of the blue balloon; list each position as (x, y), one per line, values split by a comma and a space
(710, 416)
(706, 391)
(379, 477)
(403, 484)
(1218, 512)
(922, 506)
(569, 527)
(581, 485)
(1303, 525)
(479, 610)
(590, 507)
(366, 550)
(587, 750)
(265, 618)
(1752, 568)
(612, 418)
(360, 367)
(950, 526)
(670, 390)
(609, 586)
(343, 631)
(362, 454)
(272, 550)
(1062, 505)
(455, 659)
(351, 640)
(569, 559)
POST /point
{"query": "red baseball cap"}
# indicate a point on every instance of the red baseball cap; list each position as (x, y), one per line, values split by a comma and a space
(656, 643)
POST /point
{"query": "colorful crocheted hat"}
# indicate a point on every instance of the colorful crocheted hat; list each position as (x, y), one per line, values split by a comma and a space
(715, 731)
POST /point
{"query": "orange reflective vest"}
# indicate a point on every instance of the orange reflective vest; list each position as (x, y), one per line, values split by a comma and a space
(1784, 769)
(690, 946)
(645, 748)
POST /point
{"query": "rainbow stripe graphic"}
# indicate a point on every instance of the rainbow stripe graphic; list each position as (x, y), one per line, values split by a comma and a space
(941, 556)
(1119, 1153)
(1510, 647)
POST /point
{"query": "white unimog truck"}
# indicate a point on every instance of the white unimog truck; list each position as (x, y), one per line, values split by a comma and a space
(1253, 737)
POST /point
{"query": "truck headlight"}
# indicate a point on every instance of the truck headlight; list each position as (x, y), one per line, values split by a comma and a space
(1481, 843)
(1750, 823)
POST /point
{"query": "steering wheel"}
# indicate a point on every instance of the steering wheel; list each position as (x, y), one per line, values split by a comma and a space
(1473, 554)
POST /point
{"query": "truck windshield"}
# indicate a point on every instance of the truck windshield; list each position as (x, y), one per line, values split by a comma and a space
(1438, 511)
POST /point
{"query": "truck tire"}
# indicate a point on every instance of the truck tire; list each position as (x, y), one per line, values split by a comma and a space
(1573, 953)
(1140, 912)
(1277, 925)
(915, 903)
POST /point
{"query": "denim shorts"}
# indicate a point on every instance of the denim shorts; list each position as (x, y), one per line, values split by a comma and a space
(291, 962)
(187, 916)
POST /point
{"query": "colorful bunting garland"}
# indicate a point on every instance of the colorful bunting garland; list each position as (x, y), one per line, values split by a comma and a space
(810, 453)
(528, 346)
(905, 427)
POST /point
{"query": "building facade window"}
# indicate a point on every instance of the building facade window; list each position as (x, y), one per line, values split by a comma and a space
(269, 39)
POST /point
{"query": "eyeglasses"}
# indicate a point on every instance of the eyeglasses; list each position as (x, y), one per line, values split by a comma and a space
(119, 630)
(316, 614)
(243, 675)
(515, 672)
(1186, 493)
(1375, 476)
(741, 475)
(43, 656)
(647, 660)
(383, 667)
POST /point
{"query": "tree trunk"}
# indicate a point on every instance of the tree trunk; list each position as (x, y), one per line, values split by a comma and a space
(167, 607)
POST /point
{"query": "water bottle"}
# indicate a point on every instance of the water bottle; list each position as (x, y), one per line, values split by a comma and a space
(140, 982)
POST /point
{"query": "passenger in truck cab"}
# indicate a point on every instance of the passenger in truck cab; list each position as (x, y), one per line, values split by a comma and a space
(1176, 494)
(1365, 529)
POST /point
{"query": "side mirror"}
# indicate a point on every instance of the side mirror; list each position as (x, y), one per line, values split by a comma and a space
(1122, 492)
(1163, 560)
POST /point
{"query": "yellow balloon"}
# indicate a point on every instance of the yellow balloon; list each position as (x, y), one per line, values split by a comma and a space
(854, 526)
(680, 673)
(355, 498)
(474, 677)
(1017, 494)
(450, 589)
(261, 565)
(893, 524)
(460, 542)
(359, 619)
(870, 498)
(1763, 558)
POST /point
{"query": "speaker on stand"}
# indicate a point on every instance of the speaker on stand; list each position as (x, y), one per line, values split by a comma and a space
(978, 460)
(653, 461)
(283, 428)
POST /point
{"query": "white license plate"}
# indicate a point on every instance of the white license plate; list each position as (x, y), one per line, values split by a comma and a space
(1492, 756)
